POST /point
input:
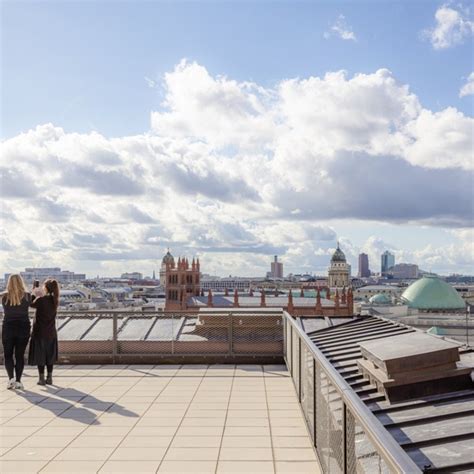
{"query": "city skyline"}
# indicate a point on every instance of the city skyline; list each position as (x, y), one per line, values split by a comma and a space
(233, 146)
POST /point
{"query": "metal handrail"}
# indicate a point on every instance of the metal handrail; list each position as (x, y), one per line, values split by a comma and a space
(392, 453)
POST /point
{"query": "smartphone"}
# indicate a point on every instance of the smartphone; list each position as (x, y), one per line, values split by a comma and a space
(36, 284)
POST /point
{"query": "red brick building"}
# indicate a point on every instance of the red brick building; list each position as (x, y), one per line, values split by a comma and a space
(183, 293)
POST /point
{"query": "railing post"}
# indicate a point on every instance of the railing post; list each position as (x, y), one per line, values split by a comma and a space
(172, 333)
(291, 351)
(114, 338)
(299, 369)
(314, 401)
(231, 335)
(344, 438)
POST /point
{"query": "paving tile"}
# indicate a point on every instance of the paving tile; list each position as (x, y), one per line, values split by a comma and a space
(138, 454)
(197, 422)
(152, 431)
(142, 467)
(21, 466)
(287, 422)
(79, 467)
(84, 441)
(294, 454)
(289, 431)
(10, 441)
(292, 442)
(60, 431)
(146, 441)
(247, 467)
(31, 454)
(302, 467)
(98, 430)
(246, 441)
(200, 431)
(195, 467)
(247, 431)
(46, 441)
(247, 422)
(192, 454)
(247, 454)
(196, 442)
(78, 454)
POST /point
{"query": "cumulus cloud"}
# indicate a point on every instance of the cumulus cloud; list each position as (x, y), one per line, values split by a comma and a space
(237, 169)
(468, 88)
(452, 27)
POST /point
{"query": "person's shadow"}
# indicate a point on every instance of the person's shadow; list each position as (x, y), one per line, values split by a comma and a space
(72, 404)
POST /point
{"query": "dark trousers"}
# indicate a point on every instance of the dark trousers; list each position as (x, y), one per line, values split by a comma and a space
(41, 369)
(14, 354)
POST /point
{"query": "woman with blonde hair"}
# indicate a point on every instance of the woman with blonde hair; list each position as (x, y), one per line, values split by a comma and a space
(44, 337)
(15, 329)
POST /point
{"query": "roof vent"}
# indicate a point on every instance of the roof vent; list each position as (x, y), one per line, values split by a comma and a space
(413, 365)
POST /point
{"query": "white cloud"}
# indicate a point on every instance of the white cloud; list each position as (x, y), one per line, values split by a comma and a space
(341, 29)
(237, 171)
(452, 27)
(468, 88)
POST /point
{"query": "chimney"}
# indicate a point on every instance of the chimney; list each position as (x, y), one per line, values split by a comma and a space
(328, 293)
(209, 299)
(236, 298)
(336, 300)
(290, 302)
(413, 365)
(319, 307)
(343, 300)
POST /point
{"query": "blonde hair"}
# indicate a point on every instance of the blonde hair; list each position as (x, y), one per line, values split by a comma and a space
(15, 290)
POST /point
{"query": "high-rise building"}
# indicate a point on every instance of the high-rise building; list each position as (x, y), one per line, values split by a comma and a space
(276, 268)
(387, 262)
(364, 271)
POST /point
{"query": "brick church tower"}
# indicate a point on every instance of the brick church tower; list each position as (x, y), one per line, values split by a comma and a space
(182, 281)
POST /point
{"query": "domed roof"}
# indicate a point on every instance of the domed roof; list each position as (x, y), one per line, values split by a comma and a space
(168, 258)
(338, 255)
(380, 298)
(430, 292)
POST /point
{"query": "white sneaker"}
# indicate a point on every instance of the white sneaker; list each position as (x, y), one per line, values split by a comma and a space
(19, 386)
(11, 384)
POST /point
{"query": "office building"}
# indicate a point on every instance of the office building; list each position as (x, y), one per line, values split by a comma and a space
(387, 262)
(276, 269)
(364, 271)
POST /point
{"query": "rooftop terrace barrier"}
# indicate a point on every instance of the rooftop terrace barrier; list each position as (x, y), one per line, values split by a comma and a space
(158, 337)
(346, 434)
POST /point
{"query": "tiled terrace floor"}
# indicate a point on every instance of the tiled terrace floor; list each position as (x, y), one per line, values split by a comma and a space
(180, 419)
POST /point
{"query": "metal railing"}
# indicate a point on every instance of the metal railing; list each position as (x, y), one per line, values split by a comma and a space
(127, 336)
(346, 434)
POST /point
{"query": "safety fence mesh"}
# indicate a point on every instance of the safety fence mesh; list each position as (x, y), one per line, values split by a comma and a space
(114, 334)
(341, 443)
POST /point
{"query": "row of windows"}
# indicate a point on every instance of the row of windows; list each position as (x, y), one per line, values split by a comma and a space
(185, 279)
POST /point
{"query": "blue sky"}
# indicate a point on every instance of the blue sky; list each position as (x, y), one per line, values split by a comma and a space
(118, 82)
(81, 65)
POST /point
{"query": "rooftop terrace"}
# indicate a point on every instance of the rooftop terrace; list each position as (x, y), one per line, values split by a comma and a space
(165, 419)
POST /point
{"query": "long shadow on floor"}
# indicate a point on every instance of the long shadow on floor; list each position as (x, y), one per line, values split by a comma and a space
(67, 405)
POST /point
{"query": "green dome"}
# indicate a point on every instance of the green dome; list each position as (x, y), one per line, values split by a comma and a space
(380, 298)
(432, 293)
